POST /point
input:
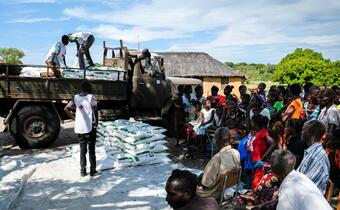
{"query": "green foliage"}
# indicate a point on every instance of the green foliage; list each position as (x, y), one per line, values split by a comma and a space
(304, 65)
(253, 71)
(230, 64)
(98, 65)
(11, 55)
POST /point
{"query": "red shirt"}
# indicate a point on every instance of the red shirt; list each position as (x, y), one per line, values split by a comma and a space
(260, 145)
(217, 101)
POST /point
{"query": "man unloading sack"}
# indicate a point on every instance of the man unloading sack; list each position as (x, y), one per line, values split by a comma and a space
(84, 41)
(56, 57)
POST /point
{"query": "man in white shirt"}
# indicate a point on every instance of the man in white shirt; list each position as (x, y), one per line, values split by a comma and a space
(56, 55)
(85, 105)
(297, 191)
(84, 41)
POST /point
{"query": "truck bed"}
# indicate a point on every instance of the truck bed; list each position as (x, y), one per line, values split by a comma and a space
(32, 88)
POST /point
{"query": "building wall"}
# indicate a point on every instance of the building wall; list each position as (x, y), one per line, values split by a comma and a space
(236, 82)
(208, 82)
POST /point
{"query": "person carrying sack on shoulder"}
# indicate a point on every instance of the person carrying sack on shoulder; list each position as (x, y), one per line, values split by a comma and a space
(85, 105)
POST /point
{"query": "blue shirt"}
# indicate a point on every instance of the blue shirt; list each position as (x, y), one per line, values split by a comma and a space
(315, 165)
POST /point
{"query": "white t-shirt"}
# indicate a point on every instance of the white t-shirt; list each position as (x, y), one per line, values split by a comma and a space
(84, 113)
(298, 192)
(81, 36)
(265, 112)
(207, 115)
(330, 116)
(60, 50)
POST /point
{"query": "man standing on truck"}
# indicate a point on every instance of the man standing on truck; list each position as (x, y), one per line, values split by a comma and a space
(56, 56)
(84, 41)
(85, 105)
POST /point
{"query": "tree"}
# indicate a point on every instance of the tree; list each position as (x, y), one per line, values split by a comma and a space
(11, 55)
(305, 65)
(254, 71)
(228, 63)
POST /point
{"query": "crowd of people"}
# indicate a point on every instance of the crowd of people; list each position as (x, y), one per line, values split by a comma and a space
(287, 141)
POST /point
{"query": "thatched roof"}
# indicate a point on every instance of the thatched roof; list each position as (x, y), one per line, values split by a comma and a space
(195, 64)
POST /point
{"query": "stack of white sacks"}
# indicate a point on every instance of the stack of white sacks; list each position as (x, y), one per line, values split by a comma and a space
(122, 143)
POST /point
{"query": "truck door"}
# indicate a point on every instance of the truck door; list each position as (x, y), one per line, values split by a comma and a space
(148, 92)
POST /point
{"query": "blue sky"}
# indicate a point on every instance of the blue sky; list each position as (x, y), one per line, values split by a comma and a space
(257, 31)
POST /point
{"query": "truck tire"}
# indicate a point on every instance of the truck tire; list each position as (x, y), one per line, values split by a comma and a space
(36, 127)
(12, 127)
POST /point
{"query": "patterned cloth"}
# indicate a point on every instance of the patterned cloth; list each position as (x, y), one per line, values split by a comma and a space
(267, 181)
(315, 165)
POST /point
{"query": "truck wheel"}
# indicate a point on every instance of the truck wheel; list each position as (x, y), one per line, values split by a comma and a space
(12, 127)
(36, 127)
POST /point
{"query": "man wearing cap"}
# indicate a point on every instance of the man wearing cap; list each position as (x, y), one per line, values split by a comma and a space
(84, 41)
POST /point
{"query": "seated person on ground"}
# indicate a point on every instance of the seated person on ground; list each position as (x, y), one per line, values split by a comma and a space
(234, 119)
(232, 116)
(225, 160)
(207, 118)
(194, 119)
(181, 193)
(263, 193)
(195, 113)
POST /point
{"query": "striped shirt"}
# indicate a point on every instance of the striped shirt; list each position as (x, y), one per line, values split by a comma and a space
(311, 114)
(315, 165)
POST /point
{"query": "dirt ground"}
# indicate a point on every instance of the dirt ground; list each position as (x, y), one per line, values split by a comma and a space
(63, 189)
(67, 137)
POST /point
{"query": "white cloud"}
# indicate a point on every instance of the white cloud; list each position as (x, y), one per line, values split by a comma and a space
(134, 34)
(36, 20)
(235, 29)
(237, 23)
